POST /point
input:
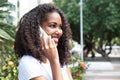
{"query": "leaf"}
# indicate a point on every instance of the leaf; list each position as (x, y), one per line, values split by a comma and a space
(5, 35)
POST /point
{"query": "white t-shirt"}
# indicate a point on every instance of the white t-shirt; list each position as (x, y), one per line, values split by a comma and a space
(29, 67)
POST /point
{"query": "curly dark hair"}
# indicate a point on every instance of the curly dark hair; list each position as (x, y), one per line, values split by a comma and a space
(27, 40)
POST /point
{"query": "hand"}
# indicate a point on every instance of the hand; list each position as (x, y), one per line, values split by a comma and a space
(49, 48)
(50, 51)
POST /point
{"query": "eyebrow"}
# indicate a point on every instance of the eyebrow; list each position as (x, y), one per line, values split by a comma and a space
(54, 23)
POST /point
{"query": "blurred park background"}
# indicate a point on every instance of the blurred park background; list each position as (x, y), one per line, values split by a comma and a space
(101, 34)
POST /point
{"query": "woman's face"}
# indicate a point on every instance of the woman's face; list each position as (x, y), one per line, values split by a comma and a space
(52, 26)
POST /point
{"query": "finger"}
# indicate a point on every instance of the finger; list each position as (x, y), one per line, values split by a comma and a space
(49, 41)
(53, 43)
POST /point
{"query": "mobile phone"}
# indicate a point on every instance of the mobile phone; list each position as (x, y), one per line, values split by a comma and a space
(43, 33)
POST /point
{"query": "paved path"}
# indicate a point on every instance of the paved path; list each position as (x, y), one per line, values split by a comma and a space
(100, 69)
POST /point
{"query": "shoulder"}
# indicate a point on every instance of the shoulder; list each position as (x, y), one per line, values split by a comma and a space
(27, 62)
(28, 59)
(29, 67)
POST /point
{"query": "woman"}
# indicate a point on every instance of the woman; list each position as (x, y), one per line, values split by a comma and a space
(42, 59)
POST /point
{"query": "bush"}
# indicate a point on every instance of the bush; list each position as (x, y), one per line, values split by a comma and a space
(78, 67)
(8, 65)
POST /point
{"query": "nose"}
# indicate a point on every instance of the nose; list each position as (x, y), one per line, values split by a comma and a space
(58, 31)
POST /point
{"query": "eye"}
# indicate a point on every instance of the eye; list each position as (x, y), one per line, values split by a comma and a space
(52, 26)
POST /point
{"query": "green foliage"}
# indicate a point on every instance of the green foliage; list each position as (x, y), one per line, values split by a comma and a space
(4, 35)
(6, 28)
(78, 67)
(8, 67)
(8, 61)
(101, 19)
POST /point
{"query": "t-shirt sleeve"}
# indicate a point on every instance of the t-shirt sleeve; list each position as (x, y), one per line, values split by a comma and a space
(29, 68)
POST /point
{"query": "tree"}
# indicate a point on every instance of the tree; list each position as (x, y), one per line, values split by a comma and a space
(8, 69)
(101, 23)
(6, 27)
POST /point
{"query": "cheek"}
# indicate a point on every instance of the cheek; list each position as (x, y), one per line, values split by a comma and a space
(61, 33)
(49, 31)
